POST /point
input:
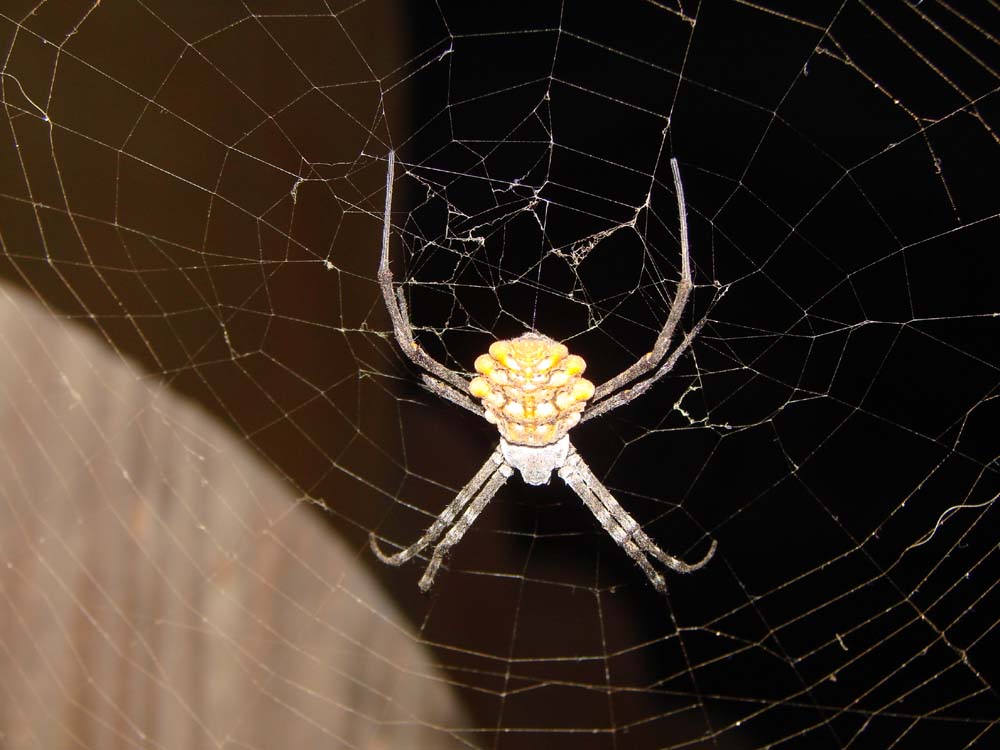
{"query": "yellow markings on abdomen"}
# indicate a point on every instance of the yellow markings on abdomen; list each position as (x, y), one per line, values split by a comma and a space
(531, 389)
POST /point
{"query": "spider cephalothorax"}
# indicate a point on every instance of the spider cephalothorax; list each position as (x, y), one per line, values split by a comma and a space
(532, 390)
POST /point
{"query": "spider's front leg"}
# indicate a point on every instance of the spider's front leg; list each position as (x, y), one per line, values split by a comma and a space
(620, 526)
(469, 502)
(465, 521)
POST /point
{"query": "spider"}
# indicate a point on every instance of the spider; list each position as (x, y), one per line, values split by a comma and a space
(530, 388)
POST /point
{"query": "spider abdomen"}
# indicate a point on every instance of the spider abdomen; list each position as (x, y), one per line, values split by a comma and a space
(531, 389)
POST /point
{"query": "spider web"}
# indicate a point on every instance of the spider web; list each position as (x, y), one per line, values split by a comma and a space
(196, 189)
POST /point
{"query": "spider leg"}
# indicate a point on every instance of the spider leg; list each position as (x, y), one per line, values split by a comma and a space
(614, 530)
(624, 529)
(445, 519)
(456, 532)
(396, 305)
(623, 397)
(648, 361)
(640, 536)
(652, 359)
(448, 393)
